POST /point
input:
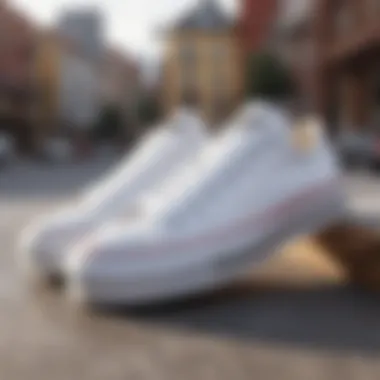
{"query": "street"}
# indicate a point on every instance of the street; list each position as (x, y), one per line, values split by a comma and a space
(326, 331)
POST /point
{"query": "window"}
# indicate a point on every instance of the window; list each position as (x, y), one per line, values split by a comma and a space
(218, 81)
(188, 64)
(307, 52)
(188, 76)
(219, 52)
(344, 19)
(373, 8)
(188, 53)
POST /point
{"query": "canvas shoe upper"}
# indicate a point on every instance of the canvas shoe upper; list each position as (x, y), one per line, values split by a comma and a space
(43, 243)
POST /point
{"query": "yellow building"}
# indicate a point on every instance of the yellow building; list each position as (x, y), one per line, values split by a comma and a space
(203, 63)
(47, 79)
(68, 84)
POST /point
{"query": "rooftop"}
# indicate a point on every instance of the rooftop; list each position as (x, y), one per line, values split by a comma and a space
(208, 15)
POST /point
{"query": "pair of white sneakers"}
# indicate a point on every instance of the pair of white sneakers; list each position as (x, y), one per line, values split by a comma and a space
(189, 212)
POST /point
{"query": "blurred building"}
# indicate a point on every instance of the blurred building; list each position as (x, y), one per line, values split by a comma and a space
(203, 62)
(121, 86)
(256, 22)
(348, 45)
(286, 29)
(47, 66)
(79, 95)
(69, 86)
(293, 40)
(85, 26)
(17, 86)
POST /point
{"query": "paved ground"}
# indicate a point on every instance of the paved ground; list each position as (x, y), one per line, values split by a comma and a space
(327, 332)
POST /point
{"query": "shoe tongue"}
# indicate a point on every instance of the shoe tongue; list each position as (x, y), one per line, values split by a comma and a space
(307, 133)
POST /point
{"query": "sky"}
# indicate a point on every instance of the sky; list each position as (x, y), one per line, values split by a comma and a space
(132, 25)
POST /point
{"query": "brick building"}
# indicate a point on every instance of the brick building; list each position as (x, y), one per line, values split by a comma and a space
(17, 91)
(294, 42)
(256, 21)
(286, 29)
(348, 57)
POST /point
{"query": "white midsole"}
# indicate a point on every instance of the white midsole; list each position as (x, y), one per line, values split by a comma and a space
(185, 280)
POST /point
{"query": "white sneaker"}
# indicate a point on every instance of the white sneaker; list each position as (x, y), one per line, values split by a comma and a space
(44, 242)
(249, 190)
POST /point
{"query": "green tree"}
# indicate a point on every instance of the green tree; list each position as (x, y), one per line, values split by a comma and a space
(268, 78)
